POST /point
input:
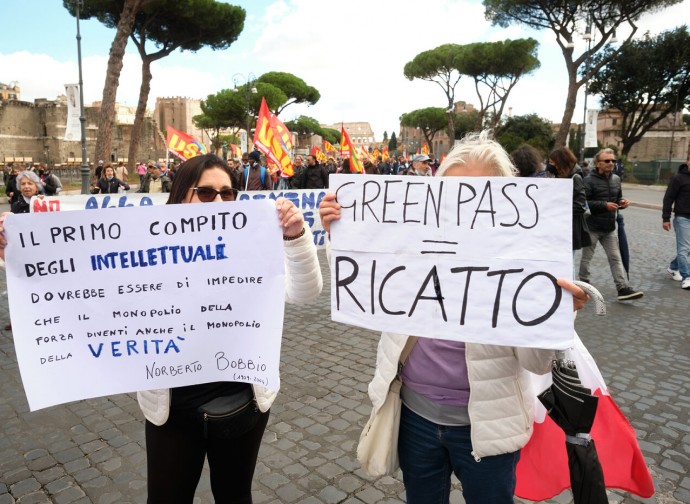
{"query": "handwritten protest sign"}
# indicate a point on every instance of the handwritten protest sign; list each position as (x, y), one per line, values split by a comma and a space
(143, 298)
(307, 200)
(463, 258)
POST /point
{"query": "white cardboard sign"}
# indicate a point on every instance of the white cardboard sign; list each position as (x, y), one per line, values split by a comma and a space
(142, 298)
(470, 259)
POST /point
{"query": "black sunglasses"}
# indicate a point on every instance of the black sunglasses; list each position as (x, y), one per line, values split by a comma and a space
(607, 160)
(208, 194)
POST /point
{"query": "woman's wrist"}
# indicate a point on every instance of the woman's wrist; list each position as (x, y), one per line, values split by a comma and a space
(298, 235)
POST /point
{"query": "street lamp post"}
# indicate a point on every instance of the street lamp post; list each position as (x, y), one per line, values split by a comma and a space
(250, 89)
(85, 171)
(588, 38)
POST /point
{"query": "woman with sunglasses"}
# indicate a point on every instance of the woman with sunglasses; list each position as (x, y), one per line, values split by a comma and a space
(175, 443)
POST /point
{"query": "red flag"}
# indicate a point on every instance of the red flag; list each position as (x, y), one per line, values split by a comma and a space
(328, 147)
(183, 145)
(543, 468)
(347, 149)
(271, 137)
(425, 148)
(318, 154)
(236, 151)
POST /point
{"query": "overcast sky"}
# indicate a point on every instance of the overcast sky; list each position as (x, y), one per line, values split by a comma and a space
(353, 52)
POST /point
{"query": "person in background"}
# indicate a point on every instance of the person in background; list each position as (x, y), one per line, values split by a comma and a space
(564, 165)
(99, 170)
(109, 183)
(528, 161)
(11, 188)
(314, 176)
(155, 181)
(51, 182)
(467, 407)
(677, 199)
(420, 166)
(141, 171)
(29, 186)
(255, 177)
(175, 443)
(121, 171)
(605, 200)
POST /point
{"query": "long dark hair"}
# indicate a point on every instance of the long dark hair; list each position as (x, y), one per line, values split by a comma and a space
(565, 161)
(189, 173)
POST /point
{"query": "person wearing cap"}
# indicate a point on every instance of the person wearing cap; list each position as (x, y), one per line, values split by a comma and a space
(155, 181)
(255, 177)
(420, 166)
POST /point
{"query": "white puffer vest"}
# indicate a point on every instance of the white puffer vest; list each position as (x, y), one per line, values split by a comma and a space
(501, 404)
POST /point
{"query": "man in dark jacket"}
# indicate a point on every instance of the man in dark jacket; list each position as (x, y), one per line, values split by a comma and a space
(155, 181)
(314, 176)
(677, 198)
(605, 199)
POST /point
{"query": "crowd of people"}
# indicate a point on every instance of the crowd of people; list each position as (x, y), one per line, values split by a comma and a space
(456, 416)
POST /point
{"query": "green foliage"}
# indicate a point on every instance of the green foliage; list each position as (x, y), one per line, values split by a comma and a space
(294, 88)
(644, 93)
(530, 129)
(496, 67)
(567, 20)
(465, 123)
(331, 135)
(304, 125)
(392, 143)
(436, 64)
(439, 65)
(385, 136)
(430, 120)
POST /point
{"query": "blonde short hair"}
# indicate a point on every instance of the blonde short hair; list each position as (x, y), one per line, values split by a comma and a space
(480, 148)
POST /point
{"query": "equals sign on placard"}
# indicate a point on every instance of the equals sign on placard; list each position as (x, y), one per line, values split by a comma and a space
(439, 244)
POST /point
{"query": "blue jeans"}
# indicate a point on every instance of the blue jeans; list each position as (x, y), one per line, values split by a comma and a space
(682, 260)
(430, 453)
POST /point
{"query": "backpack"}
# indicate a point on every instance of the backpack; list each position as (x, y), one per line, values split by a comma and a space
(263, 176)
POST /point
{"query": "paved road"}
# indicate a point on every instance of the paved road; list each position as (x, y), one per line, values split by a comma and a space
(92, 451)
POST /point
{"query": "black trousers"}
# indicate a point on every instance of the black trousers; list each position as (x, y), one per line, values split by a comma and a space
(175, 458)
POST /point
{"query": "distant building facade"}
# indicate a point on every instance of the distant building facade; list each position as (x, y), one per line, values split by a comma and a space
(9, 91)
(178, 112)
(34, 132)
(668, 138)
(360, 133)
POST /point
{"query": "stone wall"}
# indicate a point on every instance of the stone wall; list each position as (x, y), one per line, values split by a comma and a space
(37, 130)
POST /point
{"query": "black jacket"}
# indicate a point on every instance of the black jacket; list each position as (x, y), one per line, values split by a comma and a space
(106, 186)
(601, 190)
(581, 236)
(20, 206)
(313, 177)
(677, 195)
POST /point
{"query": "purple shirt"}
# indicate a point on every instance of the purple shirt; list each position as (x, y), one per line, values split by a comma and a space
(437, 370)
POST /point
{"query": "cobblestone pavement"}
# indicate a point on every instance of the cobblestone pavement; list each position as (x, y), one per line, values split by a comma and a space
(92, 451)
